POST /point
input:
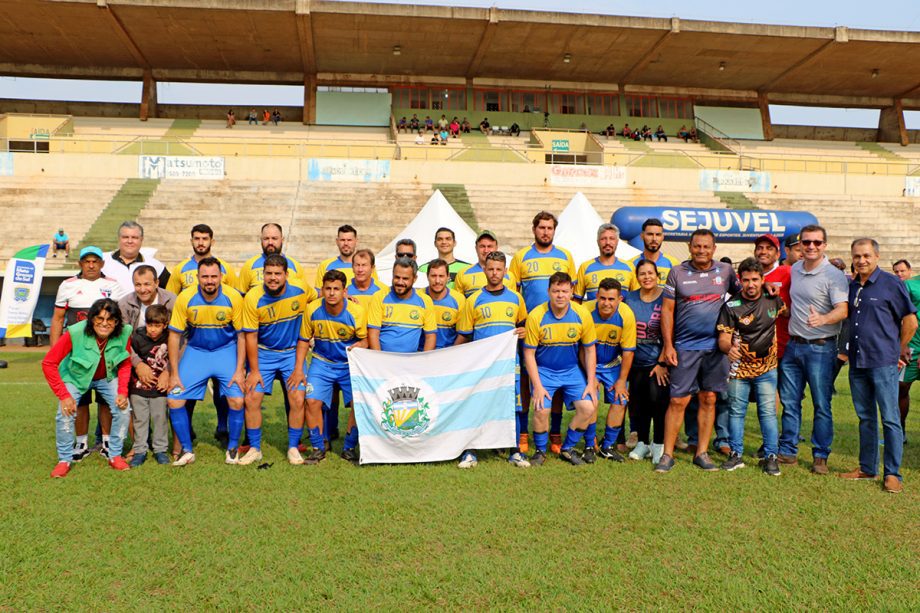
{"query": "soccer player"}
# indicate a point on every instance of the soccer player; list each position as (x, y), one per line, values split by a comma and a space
(445, 241)
(271, 325)
(615, 327)
(447, 304)
(364, 285)
(490, 311)
(272, 239)
(652, 239)
(473, 278)
(557, 332)
(346, 240)
(336, 325)
(210, 316)
(605, 266)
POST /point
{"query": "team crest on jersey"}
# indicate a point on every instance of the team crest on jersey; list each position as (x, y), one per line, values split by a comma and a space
(405, 412)
(309, 389)
(717, 280)
(509, 312)
(106, 293)
(446, 316)
(221, 316)
(557, 266)
(342, 332)
(295, 305)
(414, 315)
(572, 333)
(612, 335)
(771, 313)
(747, 319)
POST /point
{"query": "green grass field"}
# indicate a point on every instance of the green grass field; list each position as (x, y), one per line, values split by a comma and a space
(603, 537)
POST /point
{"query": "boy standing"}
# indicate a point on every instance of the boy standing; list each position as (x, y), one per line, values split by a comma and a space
(149, 382)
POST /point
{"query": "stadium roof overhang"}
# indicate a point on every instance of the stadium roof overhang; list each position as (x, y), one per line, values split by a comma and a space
(286, 41)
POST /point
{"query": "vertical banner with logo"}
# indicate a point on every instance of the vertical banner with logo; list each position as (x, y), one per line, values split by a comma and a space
(21, 286)
(430, 407)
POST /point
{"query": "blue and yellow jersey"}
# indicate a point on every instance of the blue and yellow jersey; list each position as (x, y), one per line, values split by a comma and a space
(446, 312)
(185, 274)
(276, 318)
(489, 313)
(531, 270)
(664, 263)
(208, 325)
(614, 335)
(251, 273)
(402, 323)
(557, 340)
(333, 264)
(364, 297)
(472, 279)
(592, 272)
(333, 334)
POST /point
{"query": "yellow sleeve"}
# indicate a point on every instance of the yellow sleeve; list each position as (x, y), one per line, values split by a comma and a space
(580, 282)
(360, 316)
(251, 311)
(237, 308)
(588, 333)
(179, 318)
(460, 298)
(320, 271)
(430, 321)
(522, 309)
(465, 316)
(573, 270)
(514, 270)
(306, 326)
(532, 336)
(634, 283)
(174, 284)
(243, 281)
(458, 281)
(299, 273)
(628, 340)
(230, 276)
(375, 311)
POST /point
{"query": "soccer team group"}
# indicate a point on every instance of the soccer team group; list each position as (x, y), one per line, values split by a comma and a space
(672, 344)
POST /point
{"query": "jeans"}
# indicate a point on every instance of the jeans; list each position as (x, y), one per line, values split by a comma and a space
(739, 391)
(873, 387)
(723, 419)
(812, 364)
(65, 436)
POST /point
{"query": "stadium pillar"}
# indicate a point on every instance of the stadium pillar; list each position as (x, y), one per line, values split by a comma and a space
(148, 97)
(309, 99)
(764, 105)
(891, 126)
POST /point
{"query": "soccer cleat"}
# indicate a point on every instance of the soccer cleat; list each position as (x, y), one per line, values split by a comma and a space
(517, 459)
(702, 461)
(589, 456)
(538, 458)
(161, 457)
(350, 455)
(523, 443)
(294, 457)
(184, 459)
(555, 443)
(118, 463)
(733, 462)
(244, 449)
(252, 456)
(640, 451)
(232, 456)
(770, 465)
(468, 460)
(60, 470)
(222, 437)
(80, 452)
(571, 456)
(315, 457)
(633, 440)
(610, 453)
(657, 450)
(665, 464)
(138, 459)
(302, 448)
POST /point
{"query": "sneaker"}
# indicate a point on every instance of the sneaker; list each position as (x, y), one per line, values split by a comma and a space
(538, 458)
(316, 456)
(60, 470)
(657, 450)
(787, 459)
(523, 443)
(294, 457)
(350, 455)
(222, 437)
(555, 443)
(184, 459)
(610, 453)
(640, 451)
(759, 454)
(819, 467)
(589, 456)
(80, 452)
(253, 455)
(704, 462)
(303, 448)
(681, 445)
(244, 449)
(161, 457)
(118, 463)
(733, 462)
(467, 460)
(857, 475)
(621, 447)
(232, 456)
(138, 459)
(517, 459)
(571, 456)
(633, 440)
(104, 450)
(770, 465)
(665, 464)
(892, 485)
(725, 450)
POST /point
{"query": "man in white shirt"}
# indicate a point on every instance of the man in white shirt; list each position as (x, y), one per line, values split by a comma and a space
(121, 263)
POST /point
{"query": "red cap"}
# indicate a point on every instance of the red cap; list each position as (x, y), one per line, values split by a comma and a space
(770, 239)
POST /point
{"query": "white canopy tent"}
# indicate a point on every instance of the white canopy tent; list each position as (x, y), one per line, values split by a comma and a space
(577, 232)
(437, 213)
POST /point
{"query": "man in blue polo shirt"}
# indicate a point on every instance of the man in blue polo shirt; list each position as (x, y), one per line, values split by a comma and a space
(882, 322)
(693, 297)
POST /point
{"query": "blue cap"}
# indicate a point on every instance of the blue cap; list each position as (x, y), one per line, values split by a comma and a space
(96, 251)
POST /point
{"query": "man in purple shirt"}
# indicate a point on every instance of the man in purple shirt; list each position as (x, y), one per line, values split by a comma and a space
(693, 297)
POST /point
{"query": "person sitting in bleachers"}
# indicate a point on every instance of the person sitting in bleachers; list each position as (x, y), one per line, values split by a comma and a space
(694, 136)
(429, 124)
(465, 125)
(413, 123)
(402, 125)
(266, 117)
(646, 132)
(660, 135)
(435, 139)
(626, 132)
(60, 242)
(231, 118)
(484, 126)
(609, 131)
(515, 129)
(252, 118)
(276, 117)
(443, 123)
(419, 138)
(444, 135)
(454, 127)
(684, 133)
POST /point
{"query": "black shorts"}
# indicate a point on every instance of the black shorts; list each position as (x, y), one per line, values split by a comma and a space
(696, 371)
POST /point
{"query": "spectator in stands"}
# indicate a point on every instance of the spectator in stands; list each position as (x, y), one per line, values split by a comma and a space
(583, 127)
(120, 264)
(60, 242)
(609, 131)
(442, 123)
(231, 118)
(454, 127)
(660, 135)
(626, 132)
(419, 138)
(443, 135)
(515, 129)
(694, 136)
(413, 123)
(402, 125)
(465, 125)
(252, 118)
(276, 117)
(683, 133)
(636, 135)
(484, 126)
(793, 249)
(646, 132)
(266, 117)
(429, 124)
(902, 270)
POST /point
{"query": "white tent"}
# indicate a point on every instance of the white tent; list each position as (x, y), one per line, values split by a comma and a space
(436, 213)
(577, 231)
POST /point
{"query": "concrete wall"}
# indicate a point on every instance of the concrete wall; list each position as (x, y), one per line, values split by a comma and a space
(119, 109)
(353, 108)
(733, 121)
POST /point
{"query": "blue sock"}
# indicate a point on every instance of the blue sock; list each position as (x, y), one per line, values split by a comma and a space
(555, 422)
(572, 437)
(294, 436)
(351, 439)
(541, 440)
(610, 435)
(591, 436)
(522, 418)
(316, 439)
(255, 437)
(180, 426)
(235, 422)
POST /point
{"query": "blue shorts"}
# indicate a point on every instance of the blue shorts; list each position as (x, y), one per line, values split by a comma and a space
(196, 366)
(697, 371)
(276, 365)
(572, 382)
(607, 378)
(322, 376)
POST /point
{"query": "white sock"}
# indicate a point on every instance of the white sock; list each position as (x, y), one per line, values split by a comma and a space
(81, 441)
(105, 440)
